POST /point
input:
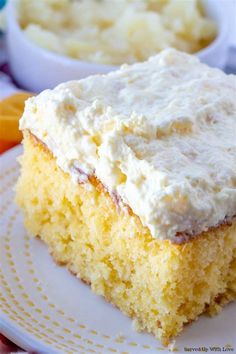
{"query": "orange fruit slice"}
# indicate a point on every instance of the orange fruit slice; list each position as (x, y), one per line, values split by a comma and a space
(5, 145)
(11, 109)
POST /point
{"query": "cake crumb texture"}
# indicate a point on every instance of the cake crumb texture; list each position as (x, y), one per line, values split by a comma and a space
(161, 285)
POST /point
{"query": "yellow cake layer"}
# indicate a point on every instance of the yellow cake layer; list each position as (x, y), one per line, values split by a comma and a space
(161, 285)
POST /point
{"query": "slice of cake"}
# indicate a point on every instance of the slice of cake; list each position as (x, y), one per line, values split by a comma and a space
(130, 179)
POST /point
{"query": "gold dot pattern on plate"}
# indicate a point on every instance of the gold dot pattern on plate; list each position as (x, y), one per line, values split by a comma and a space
(66, 344)
(6, 303)
(70, 319)
(6, 306)
(20, 308)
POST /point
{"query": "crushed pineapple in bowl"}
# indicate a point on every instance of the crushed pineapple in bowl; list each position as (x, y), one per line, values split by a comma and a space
(51, 41)
(115, 32)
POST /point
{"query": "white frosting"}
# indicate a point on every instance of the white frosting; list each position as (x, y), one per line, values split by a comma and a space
(161, 134)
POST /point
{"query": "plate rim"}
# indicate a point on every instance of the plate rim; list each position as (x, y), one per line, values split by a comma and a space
(21, 338)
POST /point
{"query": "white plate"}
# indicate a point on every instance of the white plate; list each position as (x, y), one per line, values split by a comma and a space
(44, 308)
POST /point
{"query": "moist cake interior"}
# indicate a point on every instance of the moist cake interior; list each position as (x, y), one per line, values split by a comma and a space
(161, 285)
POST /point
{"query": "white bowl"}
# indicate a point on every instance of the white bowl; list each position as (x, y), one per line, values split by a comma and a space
(36, 69)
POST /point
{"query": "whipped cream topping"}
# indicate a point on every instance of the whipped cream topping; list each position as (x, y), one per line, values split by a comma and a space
(160, 134)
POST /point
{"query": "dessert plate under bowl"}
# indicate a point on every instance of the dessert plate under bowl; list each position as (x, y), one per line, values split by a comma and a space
(45, 309)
